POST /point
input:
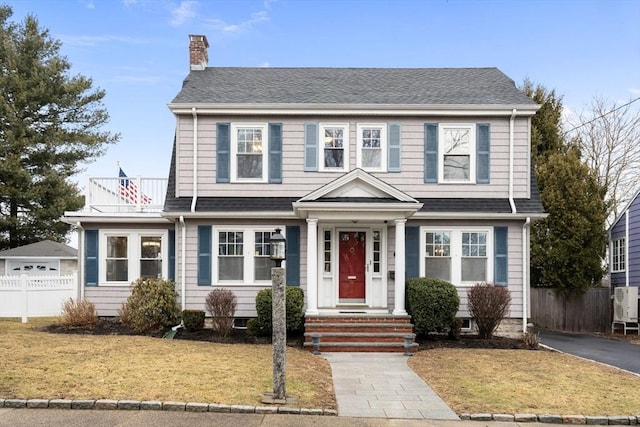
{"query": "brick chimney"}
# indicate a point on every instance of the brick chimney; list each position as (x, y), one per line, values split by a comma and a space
(198, 56)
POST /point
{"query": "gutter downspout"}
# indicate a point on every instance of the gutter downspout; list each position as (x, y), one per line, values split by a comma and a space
(511, 144)
(626, 248)
(183, 274)
(195, 159)
(525, 273)
(81, 256)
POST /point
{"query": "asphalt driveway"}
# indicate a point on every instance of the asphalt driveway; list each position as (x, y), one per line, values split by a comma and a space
(620, 354)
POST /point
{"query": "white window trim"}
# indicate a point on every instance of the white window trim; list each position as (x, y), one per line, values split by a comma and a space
(133, 253)
(472, 152)
(456, 251)
(234, 151)
(615, 249)
(383, 145)
(321, 128)
(248, 254)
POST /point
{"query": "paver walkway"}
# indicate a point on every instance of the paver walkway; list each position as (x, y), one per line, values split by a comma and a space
(382, 385)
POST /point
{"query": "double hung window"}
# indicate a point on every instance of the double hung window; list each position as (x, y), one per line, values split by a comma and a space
(618, 255)
(458, 256)
(249, 152)
(244, 255)
(334, 139)
(457, 145)
(372, 147)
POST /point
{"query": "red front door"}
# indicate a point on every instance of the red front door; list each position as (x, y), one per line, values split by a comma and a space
(352, 265)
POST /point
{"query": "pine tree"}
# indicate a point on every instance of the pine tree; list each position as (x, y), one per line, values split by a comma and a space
(50, 123)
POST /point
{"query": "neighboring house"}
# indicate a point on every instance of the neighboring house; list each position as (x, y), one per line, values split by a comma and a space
(624, 246)
(624, 266)
(39, 259)
(373, 174)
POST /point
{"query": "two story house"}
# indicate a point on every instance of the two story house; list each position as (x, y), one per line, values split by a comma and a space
(373, 175)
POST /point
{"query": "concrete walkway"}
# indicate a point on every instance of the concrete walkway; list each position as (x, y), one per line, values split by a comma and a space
(382, 385)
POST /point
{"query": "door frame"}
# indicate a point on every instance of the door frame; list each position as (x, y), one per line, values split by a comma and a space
(376, 284)
(365, 267)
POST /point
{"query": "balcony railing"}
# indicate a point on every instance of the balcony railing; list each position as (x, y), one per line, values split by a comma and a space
(130, 194)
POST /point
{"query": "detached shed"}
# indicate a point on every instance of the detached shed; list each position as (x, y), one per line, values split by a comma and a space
(41, 258)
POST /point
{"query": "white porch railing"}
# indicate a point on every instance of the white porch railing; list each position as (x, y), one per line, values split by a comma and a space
(35, 296)
(125, 194)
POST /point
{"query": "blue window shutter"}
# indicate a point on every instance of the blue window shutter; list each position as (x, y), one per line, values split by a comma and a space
(204, 255)
(411, 252)
(172, 255)
(500, 264)
(91, 258)
(430, 152)
(275, 153)
(482, 153)
(310, 147)
(394, 155)
(223, 152)
(293, 255)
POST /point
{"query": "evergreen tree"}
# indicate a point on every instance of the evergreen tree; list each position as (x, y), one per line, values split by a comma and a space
(568, 246)
(49, 124)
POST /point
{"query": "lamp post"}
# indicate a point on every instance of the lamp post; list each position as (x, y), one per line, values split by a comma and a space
(279, 317)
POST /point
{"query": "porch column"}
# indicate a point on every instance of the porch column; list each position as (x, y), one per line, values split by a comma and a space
(399, 309)
(312, 266)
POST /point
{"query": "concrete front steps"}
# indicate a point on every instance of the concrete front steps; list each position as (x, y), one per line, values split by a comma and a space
(360, 333)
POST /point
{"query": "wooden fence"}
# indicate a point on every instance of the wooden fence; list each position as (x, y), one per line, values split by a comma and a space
(590, 312)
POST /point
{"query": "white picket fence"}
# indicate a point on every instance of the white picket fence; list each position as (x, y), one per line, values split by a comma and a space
(35, 296)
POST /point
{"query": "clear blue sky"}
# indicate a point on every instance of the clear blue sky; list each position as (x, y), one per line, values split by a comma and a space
(137, 50)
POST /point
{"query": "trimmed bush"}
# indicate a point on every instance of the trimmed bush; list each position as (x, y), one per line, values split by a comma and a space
(151, 307)
(295, 302)
(488, 305)
(193, 320)
(432, 304)
(79, 313)
(221, 304)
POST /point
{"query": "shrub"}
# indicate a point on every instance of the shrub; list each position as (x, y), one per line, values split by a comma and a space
(193, 320)
(456, 329)
(531, 340)
(488, 305)
(432, 304)
(221, 304)
(295, 320)
(151, 307)
(79, 313)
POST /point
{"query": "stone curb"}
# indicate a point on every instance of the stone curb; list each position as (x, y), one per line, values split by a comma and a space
(109, 404)
(610, 420)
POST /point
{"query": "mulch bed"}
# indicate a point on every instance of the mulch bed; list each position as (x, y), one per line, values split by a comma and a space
(112, 326)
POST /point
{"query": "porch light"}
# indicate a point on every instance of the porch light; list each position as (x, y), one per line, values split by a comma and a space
(278, 247)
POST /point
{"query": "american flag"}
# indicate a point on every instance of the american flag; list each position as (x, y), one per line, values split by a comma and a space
(129, 190)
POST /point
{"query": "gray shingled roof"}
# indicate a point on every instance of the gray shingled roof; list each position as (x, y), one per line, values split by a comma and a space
(44, 249)
(393, 86)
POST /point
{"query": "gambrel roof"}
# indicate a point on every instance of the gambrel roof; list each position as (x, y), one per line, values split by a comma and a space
(359, 86)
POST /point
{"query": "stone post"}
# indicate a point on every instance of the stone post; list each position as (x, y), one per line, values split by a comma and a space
(279, 328)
